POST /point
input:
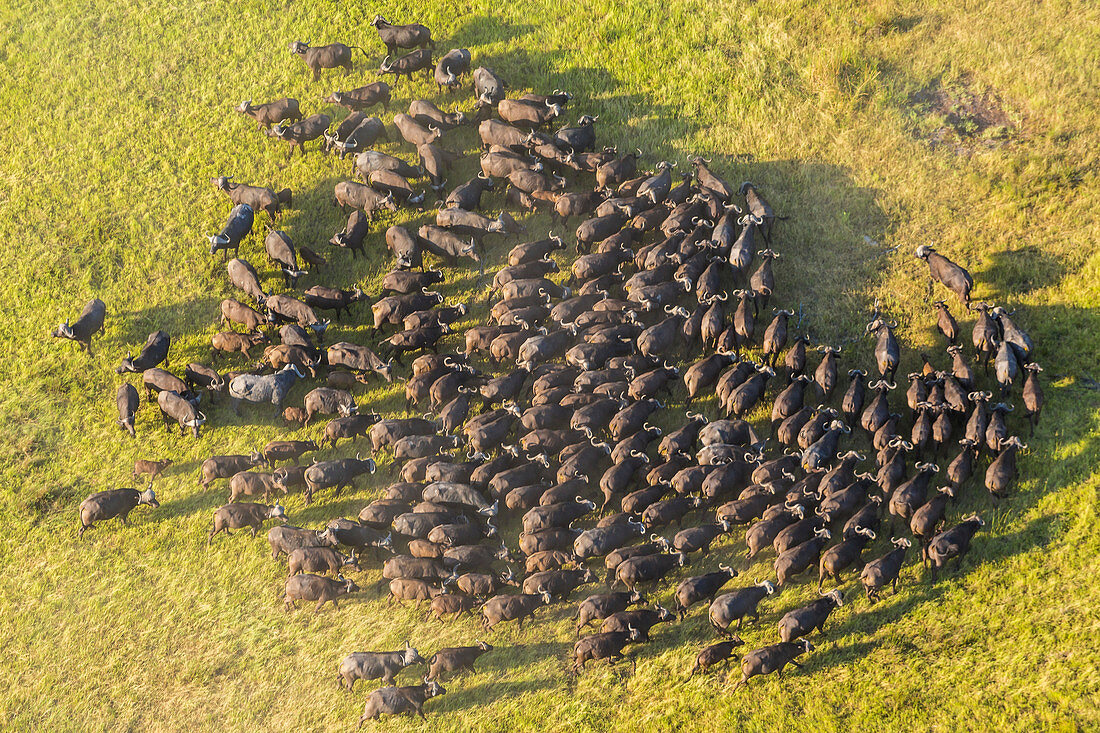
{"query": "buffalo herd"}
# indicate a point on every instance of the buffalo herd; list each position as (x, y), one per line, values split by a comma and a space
(555, 450)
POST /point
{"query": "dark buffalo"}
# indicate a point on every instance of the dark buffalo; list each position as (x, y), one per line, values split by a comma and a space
(174, 407)
(324, 57)
(87, 325)
(411, 35)
(106, 505)
(362, 97)
(238, 226)
(152, 354)
(268, 114)
(128, 401)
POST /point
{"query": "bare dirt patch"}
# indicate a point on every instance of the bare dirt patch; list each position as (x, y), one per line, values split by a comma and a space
(963, 115)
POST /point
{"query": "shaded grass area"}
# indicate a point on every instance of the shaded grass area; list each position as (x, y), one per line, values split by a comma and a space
(122, 112)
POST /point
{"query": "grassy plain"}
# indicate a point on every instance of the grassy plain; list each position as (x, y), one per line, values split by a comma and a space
(875, 126)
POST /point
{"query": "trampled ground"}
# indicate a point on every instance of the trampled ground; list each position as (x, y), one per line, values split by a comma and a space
(874, 126)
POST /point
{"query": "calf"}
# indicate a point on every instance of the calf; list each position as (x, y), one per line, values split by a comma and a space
(376, 665)
(719, 653)
(232, 341)
(294, 415)
(399, 700)
(106, 505)
(772, 659)
(152, 468)
(236, 516)
(307, 587)
(87, 325)
(268, 114)
(452, 659)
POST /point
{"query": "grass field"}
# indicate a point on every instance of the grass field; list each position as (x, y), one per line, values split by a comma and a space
(874, 126)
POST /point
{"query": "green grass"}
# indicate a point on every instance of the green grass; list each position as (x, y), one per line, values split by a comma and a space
(858, 120)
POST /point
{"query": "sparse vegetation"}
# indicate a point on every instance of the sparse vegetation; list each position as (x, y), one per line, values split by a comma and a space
(119, 114)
